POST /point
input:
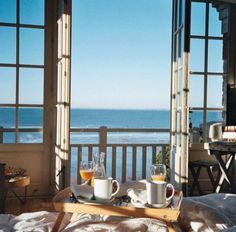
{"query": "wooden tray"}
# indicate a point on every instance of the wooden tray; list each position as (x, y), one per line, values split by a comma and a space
(169, 214)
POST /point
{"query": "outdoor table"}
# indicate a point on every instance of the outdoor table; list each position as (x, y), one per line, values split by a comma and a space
(169, 214)
(224, 152)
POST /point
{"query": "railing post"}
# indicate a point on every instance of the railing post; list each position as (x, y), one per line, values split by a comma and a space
(103, 139)
(1, 134)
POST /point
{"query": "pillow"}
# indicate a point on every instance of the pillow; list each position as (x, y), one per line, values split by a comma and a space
(225, 203)
(197, 216)
(4, 222)
(232, 229)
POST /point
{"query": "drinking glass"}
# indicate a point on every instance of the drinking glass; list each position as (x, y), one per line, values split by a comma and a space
(158, 172)
(86, 170)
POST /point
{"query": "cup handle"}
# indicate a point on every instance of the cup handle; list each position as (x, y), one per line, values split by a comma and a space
(118, 187)
(173, 192)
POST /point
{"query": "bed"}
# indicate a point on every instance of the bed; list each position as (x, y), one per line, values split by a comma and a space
(213, 212)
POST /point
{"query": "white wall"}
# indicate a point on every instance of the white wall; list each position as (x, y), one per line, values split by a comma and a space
(34, 160)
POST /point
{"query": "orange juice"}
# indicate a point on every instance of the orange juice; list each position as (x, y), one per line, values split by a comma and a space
(86, 174)
(158, 177)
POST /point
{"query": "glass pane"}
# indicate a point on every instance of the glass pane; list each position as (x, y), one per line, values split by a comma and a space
(8, 11)
(180, 87)
(31, 117)
(176, 90)
(214, 91)
(215, 54)
(7, 45)
(7, 85)
(198, 12)
(31, 86)
(177, 51)
(197, 55)
(31, 46)
(196, 133)
(30, 137)
(32, 12)
(179, 128)
(8, 137)
(182, 47)
(213, 117)
(177, 13)
(214, 22)
(7, 117)
(183, 10)
(196, 93)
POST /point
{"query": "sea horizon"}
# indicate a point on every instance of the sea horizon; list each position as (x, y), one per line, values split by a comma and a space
(95, 118)
(134, 109)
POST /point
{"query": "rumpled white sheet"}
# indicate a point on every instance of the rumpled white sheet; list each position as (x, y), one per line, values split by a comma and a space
(91, 223)
(41, 221)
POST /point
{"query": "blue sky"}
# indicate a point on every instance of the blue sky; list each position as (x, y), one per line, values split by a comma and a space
(121, 54)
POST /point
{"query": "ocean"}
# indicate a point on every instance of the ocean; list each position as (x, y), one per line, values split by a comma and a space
(95, 118)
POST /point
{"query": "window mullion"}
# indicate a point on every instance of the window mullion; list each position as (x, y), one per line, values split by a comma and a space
(17, 67)
(205, 73)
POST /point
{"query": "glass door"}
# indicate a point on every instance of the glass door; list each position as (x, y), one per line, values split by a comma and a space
(62, 133)
(180, 93)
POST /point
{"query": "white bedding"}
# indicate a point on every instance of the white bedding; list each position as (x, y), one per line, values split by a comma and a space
(91, 223)
(213, 212)
(41, 221)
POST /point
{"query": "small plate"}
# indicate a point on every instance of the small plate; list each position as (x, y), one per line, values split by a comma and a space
(159, 206)
(93, 201)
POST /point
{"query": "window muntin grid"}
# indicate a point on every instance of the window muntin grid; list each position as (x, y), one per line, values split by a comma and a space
(205, 66)
(26, 28)
(178, 59)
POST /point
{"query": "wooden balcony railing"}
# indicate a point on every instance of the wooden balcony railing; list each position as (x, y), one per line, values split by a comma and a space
(124, 161)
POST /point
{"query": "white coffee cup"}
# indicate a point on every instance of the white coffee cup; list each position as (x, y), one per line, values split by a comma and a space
(103, 188)
(156, 192)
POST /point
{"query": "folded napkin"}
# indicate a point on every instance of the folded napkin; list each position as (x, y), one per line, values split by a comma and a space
(140, 184)
(138, 195)
(82, 191)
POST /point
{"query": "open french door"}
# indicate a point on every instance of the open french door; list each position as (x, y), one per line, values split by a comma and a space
(63, 63)
(180, 93)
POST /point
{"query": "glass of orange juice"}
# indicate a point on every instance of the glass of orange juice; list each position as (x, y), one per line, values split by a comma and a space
(158, 172)
(86, 170)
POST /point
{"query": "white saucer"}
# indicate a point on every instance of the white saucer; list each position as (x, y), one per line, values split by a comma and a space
(160, 206)
(87, 201)
(140, 205)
